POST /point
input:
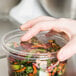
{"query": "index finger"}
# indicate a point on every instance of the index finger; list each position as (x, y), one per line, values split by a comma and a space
(32, 22)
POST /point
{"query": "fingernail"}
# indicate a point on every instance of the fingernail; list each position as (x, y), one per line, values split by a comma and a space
(22, 39)
(22, 28)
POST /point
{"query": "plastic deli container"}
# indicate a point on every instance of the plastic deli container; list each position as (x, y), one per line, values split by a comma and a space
(36, 57)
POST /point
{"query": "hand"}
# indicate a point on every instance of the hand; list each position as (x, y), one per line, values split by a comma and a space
(60, 25)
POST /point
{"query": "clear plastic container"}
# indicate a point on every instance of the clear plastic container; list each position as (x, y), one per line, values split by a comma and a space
(22, 63)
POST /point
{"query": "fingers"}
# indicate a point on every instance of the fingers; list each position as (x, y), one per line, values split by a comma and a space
(30, 23)
(68, 50)
(43, 26)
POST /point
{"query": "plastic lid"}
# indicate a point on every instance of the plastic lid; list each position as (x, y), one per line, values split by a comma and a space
(14, 37)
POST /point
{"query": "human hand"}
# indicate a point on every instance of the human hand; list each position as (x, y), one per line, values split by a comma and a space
(45, 23)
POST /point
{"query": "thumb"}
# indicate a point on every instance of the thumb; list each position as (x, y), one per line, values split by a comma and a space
(68, 50)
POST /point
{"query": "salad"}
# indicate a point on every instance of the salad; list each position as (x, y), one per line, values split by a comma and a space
(39, 59)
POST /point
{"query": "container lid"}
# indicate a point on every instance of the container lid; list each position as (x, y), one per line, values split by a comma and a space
(39, 45)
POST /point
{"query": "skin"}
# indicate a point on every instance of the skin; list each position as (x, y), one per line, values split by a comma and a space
(46, 23)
